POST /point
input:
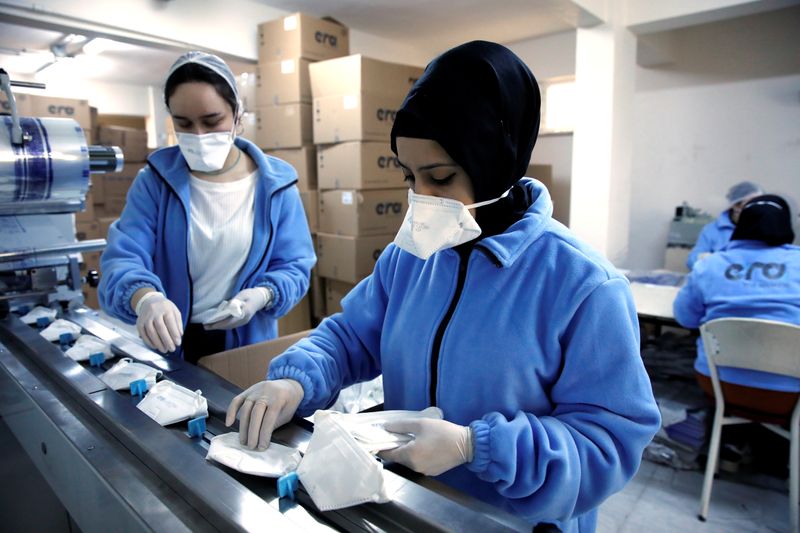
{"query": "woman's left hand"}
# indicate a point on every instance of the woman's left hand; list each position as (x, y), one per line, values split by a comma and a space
(253, 301)
(438, 445)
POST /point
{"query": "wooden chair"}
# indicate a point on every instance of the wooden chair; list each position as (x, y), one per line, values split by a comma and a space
(753, 344)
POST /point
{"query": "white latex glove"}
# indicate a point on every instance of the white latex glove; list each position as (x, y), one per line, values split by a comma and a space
(159, 322)
(438, 445)
(253, 300)
(262, 408)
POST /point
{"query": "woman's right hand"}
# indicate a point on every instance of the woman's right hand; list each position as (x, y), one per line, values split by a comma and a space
(262, 408)
(159, 322)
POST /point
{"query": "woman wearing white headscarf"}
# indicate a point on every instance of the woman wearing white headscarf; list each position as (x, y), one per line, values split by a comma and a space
(213, 244)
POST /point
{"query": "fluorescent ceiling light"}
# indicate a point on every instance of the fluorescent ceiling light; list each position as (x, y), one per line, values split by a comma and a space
(27, 62)
(98, 45)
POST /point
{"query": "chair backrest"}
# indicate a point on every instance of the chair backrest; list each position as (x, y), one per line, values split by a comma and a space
(753, 344)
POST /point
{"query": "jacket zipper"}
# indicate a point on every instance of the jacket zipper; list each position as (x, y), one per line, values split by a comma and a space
(437, 340)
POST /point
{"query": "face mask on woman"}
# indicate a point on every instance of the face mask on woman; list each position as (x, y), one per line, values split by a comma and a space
(206, 152)
(433, 223)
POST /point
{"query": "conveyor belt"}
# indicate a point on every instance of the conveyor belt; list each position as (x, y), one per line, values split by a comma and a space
(158, 477)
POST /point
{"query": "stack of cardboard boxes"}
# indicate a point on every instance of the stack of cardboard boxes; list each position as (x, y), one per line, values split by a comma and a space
(287, 46)
(107, 194)
(362, 197)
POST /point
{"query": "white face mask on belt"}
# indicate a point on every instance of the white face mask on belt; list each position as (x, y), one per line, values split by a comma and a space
(432, 224)
(119, 376)
(207, 152)
(168, 403)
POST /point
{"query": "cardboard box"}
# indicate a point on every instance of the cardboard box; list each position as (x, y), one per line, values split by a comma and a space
(357, 74)
(247, 365)
(23, 102)
(283, 82)
(349, 259)
(300, 35)
(354, 117)
(304, 161)
(362, 213)
(44, 106)
(114, 205)
(316, 292)
(116, 186)
(88, 214)
(358, 165)
(132, 142)
(543, 173)
(283, 126)
(91, 261)
(90, 297)
(334, 292)
(311, 206)
(129, 170)
(97, 184)
(103, 224)
(298, 319)
(87, 230)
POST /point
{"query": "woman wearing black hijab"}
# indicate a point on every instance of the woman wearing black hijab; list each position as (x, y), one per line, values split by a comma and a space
(487, 308)
(756, 276)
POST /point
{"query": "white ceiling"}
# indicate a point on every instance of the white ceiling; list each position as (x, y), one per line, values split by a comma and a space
(425, 24)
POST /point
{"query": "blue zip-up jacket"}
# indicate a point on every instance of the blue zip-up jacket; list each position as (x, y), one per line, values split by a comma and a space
(148, 245)
(540, 357)
(713, 237)
(749, 279)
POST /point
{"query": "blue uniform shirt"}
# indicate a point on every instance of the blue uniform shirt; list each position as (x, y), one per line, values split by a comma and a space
(748, 279)
(713, 237)
(540, 357)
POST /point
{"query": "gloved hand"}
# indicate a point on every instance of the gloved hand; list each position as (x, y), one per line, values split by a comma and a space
(438, 445)
(159, 322)
(253, 300)
(264, 407)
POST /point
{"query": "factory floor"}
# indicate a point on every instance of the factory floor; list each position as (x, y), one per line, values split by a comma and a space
(663, 498)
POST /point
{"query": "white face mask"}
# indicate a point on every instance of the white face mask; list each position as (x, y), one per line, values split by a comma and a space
(169, 403)
(58, 327)
(336, 471)
(275, 461)
(432, 224)
(86, 345)
(207, 152)
(368, 428)
(121, 375)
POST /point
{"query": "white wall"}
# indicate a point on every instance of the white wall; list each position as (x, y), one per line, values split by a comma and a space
(552, 56)
(709, 120)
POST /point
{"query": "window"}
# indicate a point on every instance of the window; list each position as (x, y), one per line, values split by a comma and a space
(558, 105)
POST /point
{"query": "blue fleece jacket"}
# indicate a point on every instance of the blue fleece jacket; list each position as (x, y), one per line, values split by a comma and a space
(540, 358)
(748, 279)
(713, 237)
(148, 245)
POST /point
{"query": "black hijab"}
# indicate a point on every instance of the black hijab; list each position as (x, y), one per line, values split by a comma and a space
(767, 219)
(481, 103)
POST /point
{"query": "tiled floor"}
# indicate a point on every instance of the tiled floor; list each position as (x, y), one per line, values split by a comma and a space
(662, 499)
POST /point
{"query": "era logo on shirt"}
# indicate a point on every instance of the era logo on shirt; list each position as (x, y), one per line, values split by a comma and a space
(386, 161)
(325, 38)
(389, 208)
(386, 114)
(61, 110)
(737, 272)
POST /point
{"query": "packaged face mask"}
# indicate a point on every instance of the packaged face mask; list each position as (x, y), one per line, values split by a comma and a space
(336, 471)
(87, 345)
(38, 312)
(275, 461)
(227, 309)
(119, 376)
(368, 428)
(54, 331)
(169, 403)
